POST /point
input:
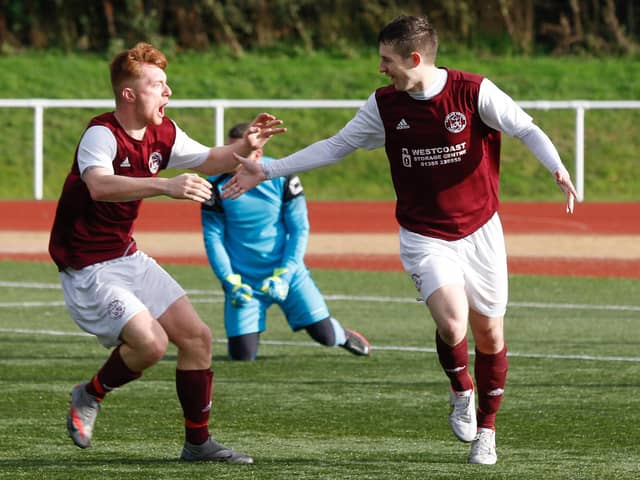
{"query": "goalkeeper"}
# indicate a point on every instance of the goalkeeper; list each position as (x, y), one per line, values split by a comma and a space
(256, 245)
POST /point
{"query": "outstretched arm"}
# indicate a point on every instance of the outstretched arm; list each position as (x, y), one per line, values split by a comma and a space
(319, 154)
(541, 146)
(248, 176)
(222, 159)
(501, 112)
(364, 130)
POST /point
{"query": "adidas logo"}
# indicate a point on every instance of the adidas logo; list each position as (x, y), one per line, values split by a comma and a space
(125, 162)
(402, 125)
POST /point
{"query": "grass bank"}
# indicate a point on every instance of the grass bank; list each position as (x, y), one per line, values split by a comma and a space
(612, 162)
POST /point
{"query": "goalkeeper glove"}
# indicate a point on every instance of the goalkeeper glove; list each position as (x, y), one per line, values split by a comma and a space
(239, 293)
(276, 286)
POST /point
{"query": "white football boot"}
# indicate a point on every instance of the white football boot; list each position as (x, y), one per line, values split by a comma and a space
(483, 448)
(463, 415)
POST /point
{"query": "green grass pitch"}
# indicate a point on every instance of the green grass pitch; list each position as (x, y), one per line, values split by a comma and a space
(571, 408)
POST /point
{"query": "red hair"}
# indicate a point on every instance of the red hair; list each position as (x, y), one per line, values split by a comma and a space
(127, 64)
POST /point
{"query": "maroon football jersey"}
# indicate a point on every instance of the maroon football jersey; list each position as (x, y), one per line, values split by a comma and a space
(444, 159)
(86, 231)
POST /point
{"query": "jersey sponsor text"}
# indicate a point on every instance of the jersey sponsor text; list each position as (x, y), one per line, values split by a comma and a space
(434, 156)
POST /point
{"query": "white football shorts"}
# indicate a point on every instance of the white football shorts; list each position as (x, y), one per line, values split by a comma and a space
(101, 298)
(478, 262)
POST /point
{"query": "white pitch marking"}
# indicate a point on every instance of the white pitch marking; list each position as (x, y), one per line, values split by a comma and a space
(390, 348)
(334, 297)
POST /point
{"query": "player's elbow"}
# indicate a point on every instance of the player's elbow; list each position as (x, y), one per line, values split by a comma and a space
(98, 184)
(99, 194)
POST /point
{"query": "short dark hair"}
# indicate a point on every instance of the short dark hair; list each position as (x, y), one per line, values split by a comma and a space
(237, 131)
(407, 34)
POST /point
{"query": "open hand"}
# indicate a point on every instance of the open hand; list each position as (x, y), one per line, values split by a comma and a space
(564, 182)
(262, 128)
(246, 177)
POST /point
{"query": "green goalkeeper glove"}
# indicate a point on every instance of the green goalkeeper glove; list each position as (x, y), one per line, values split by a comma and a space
(239, 293)
(275, 286)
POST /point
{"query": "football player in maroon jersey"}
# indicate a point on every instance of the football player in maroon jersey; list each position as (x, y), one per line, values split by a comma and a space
(441, 130)
(113, 290)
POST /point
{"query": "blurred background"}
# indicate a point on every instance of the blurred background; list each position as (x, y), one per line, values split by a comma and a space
(518, 26)
(558, 50)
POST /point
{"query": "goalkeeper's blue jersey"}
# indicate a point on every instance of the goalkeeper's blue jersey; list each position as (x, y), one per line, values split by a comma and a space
(264, 229)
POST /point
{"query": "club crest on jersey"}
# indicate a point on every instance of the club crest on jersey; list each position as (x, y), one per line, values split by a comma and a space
(155, 159)
(455, 122)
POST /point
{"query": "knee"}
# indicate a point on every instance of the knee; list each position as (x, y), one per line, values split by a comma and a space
(452, 329)
(241, 356)
(489, 340)
(322, 332)
(243, 347)
(157, 350)
(197, 341)
(451, 333)
(206, 340)
(152, 350)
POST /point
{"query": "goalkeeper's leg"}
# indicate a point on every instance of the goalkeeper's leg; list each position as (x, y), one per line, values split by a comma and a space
(324, 332)
(243, 347)
(329, 332)
(243, 325)
(306, 308)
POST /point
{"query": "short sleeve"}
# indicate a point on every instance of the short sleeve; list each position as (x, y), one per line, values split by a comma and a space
(187, 152)
(97, 148)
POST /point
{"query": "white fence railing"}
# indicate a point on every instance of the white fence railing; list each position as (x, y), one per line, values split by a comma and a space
(38, 105)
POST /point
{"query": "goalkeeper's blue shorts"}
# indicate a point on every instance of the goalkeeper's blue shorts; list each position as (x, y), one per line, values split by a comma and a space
(303, 306)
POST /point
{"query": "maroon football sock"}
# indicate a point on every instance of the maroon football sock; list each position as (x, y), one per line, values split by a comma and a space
(455, 362)
(113, 374)
(491, 376)
(194, 389)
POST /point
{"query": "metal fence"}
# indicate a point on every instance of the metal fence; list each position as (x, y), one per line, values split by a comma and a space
(219, 106)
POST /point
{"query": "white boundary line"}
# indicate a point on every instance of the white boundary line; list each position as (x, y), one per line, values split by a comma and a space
(389, 348)
(353, 298)
(334, 297)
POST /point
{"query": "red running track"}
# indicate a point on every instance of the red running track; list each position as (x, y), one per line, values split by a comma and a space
(359, 217)
(378, 217)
